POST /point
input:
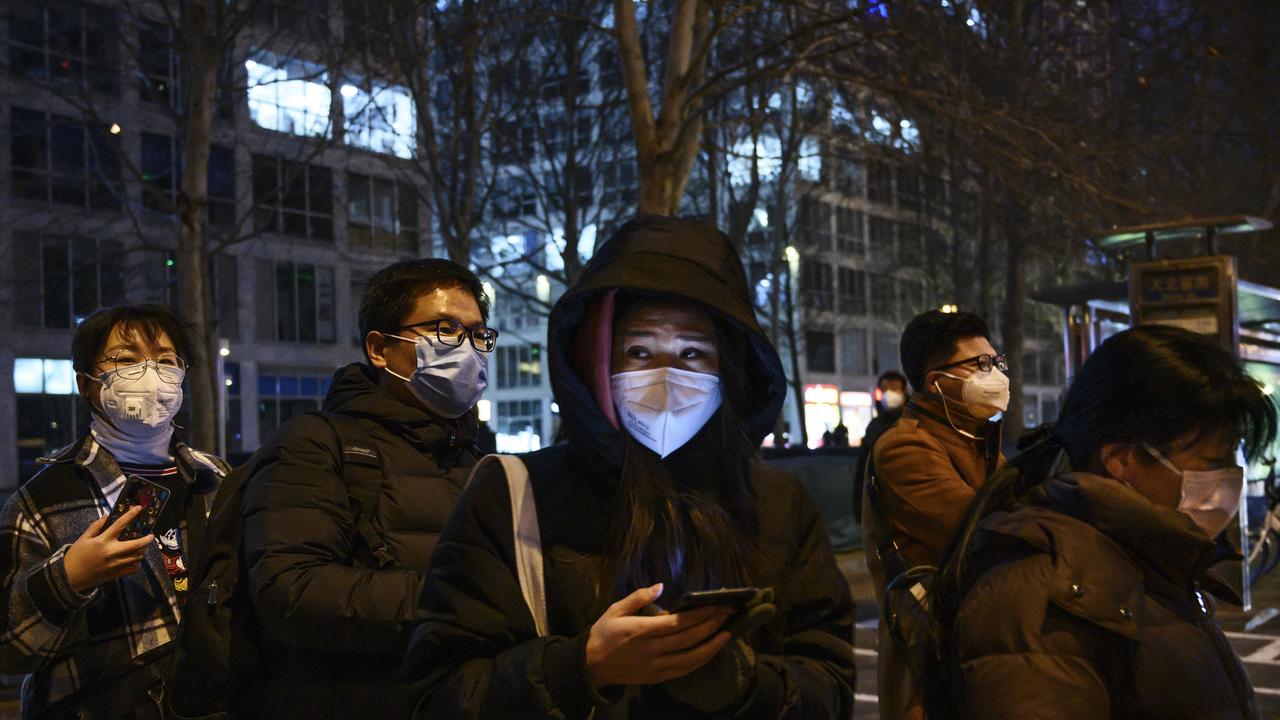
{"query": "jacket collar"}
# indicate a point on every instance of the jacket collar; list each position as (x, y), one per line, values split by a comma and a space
(355, 393)
(927, 409)
(200, 470)
(929, 405)
(1161, 538)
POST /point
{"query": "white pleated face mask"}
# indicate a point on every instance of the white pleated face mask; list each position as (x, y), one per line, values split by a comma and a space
(1209, 497)
(665, 407)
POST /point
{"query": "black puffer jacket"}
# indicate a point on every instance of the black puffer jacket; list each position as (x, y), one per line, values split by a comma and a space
(477, 655)
(335, 630)
(1103, 613)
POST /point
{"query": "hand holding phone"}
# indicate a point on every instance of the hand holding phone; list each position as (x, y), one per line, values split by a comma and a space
(144, 494)
(99, 555)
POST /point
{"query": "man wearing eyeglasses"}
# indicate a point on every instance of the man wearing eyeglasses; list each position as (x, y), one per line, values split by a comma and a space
(927, 468)
(335, 573)
(91, 610)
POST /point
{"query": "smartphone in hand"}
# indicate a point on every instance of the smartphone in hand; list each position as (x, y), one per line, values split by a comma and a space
(732, 597)
(143, 493)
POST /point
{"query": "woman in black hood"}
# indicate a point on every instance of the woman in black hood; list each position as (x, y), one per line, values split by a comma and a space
(666, 386)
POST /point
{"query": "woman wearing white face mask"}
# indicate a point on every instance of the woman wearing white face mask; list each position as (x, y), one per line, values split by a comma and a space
(666, 385)
(1077, 584)
(91, 616)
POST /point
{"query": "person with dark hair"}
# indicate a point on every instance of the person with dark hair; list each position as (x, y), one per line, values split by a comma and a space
(926, 469)
(556, 588)
(889, 399)
(91, 613)
(335, 566)
(1079, 583)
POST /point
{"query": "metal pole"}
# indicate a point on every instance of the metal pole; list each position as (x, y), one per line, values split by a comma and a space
(220, 417)
(1067, 330)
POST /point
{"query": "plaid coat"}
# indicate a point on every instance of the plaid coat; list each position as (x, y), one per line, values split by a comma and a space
(60, 638)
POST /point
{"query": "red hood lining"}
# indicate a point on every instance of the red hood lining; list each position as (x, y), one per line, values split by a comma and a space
(593, 352)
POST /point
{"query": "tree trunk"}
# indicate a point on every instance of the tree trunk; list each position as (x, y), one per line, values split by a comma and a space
(193, 263)
(986, 220)
(667, 145)
(793, 342)
(789, 311)
(1014, 326)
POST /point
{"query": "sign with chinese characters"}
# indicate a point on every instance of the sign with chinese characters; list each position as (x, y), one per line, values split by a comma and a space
(1196, 294)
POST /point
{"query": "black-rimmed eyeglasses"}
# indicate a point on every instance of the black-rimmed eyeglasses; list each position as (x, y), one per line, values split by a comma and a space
(452, 333)
(985, 362)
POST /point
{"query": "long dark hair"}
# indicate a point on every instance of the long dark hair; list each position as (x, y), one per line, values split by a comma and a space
(689, 520)
(1155, 384)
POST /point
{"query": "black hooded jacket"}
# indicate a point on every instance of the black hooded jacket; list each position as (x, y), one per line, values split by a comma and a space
(333, 629)
(478, 655)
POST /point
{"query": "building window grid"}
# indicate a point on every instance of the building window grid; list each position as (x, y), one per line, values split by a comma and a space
(516, 416)
(59, 159)
(304, 303)
(852, 298)
(62, 280)
(850, 236)
(65, 44)
(285, 396)
(162, 176)
(382, 214)
(883, 296)
(618, 182)
(849, 176)
(817, 286)
(519, 366)
(820, 351)
(879, 183)
(380, 117)
(814, 223)
(293, 198)
(880, 240)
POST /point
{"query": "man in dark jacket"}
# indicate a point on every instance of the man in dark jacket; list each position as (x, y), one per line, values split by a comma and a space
(334, 606)
(479, 652)
(890, 399)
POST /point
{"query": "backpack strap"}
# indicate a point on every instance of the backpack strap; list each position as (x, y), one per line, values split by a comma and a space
(362, 473)
(526, 537)
(886, 547)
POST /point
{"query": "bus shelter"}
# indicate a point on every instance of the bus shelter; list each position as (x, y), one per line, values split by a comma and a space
(1177, 276)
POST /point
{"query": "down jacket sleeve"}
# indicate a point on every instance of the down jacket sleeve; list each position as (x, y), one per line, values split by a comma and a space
(1022, 656)
(812, 674)
(299, 536)
(477, 653)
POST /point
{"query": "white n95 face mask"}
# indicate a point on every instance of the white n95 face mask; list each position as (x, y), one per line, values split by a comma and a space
(138, 400)
(1209, 497)
(985, 394)
(892, 399)
(665, 407)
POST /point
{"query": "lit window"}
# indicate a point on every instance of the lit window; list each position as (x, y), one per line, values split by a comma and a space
(810, 161)
(28, 375)
(288, 95)
(380, 118)
(36, 376)
(59, 377)
(768, 155)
